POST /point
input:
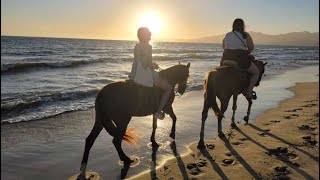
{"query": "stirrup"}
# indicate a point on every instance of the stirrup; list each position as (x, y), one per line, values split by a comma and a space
(159, 116)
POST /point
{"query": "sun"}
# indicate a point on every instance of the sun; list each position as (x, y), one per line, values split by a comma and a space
(151, 21)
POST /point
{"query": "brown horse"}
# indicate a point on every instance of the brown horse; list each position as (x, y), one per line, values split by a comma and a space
(224, 82)
(117, 102)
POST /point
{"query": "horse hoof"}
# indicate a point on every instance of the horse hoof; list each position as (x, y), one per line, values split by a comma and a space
(128, 161)
(221, 135)
(233, 125)
(173, 135)
(246, 119)
(81, 177)
(155, 145)
(201, 145)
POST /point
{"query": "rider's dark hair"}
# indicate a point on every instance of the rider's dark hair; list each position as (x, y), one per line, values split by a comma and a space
(238, 25)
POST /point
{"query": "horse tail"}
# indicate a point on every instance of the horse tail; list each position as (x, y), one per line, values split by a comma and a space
(131, 137)
(210, 93)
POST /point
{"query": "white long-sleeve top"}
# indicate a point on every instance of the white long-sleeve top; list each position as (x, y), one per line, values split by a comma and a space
(231, 41)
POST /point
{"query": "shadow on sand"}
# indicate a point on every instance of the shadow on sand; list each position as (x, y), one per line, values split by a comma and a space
(179, 160)
(288, 163)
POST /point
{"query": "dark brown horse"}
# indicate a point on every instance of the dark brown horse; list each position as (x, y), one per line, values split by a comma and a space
(224, 82)
(117, 102)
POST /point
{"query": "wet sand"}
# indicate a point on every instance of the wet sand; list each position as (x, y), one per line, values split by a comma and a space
(282, 143)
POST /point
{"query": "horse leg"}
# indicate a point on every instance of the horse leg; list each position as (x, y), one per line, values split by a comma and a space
(203, 119)
(234, 108)
(89, 142)
(224, 106)
(117, 140)
(174, 120)
(152, 138)
(246, 118)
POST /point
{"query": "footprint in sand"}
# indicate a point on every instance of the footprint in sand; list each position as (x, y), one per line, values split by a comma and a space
(228, 154)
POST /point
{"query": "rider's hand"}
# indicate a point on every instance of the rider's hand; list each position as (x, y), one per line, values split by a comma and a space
(155, 66)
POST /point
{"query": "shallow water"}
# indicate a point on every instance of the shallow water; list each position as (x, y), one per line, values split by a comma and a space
(43, 77)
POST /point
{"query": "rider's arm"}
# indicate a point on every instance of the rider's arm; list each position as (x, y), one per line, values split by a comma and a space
(250, 44)
(149, 57)
(223, 44)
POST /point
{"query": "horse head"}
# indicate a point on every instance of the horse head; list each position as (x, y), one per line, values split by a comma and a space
(177, 74)
(261, 66)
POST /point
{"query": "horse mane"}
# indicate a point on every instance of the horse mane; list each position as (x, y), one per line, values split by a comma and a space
(171, 72)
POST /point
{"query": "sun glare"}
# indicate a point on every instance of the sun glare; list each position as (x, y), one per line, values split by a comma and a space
(151, 21)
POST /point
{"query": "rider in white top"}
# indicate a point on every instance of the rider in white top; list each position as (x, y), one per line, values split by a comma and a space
(237, 44)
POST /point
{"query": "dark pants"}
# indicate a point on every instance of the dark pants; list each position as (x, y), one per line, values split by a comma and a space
(237, 55)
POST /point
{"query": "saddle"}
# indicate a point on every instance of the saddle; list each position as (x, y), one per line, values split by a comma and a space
(244, 75)
(147, 96)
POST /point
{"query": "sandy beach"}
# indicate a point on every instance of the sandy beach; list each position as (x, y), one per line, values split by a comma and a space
(281, 143)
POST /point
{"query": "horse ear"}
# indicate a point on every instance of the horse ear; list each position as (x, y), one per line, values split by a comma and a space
(188, 65)
(265, 63)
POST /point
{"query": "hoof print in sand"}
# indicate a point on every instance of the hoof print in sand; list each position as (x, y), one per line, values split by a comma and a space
(228, 154)
(306, 127)
(282, 153)
(195, 168)
(210, 146)
(309, 141)
(227, 162)
(281, 172)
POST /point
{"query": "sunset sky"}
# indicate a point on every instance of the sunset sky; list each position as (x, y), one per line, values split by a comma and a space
(169, 19)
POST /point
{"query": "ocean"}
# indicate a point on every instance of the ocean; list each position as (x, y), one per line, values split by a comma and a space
(44, 77)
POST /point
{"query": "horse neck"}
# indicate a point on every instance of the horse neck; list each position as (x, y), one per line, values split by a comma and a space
(168, 75)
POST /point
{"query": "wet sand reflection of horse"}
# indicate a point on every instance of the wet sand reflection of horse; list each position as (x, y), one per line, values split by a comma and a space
(117, 102)
(224, 82)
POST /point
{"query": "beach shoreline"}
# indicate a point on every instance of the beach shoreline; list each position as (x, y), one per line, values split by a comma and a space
(281, 143)
(54, 146)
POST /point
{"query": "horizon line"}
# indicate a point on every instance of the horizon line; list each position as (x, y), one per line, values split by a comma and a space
(162, 40)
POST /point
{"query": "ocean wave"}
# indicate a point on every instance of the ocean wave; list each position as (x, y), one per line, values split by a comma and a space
(31, 53)
(30, 65)
(183, 51)
(33, 100)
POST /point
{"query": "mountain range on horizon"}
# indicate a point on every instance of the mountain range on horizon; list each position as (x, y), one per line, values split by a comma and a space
(304, 38)
(293, 38)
